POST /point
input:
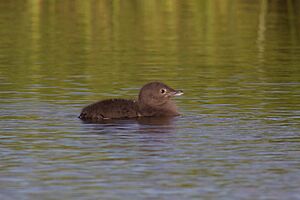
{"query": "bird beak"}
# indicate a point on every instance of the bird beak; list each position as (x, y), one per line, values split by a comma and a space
(177, 93)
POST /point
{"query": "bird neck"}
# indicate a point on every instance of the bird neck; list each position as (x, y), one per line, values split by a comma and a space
(166, 109)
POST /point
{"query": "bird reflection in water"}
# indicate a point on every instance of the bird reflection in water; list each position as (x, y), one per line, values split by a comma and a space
(156, 124)
(145, 125)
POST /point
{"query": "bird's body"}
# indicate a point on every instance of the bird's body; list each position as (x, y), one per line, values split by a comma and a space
(154, 100)
(110, 109)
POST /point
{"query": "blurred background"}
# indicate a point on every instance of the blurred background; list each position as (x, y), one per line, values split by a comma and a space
(116, 42)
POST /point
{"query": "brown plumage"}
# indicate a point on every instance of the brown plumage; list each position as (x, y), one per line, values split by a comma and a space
(154, 100)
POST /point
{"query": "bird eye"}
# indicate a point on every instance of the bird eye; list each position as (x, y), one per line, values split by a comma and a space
(163, 91)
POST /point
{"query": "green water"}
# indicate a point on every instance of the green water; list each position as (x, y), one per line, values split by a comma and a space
(238, 63)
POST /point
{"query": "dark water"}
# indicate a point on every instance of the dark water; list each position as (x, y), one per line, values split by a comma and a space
(238, 63)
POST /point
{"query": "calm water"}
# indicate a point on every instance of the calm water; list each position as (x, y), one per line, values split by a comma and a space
(238, 63)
